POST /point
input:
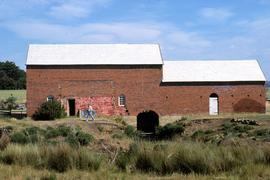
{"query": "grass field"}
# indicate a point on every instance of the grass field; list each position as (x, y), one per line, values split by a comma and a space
(19, 94)
(268, 93)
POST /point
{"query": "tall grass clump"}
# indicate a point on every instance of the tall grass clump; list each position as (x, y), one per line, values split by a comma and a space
(88, 160)
(193, 157)
(157, 161)
(4, 141)
(60, 157)
(21, 155)
(84, 138)
(169, 131)
(28, 135)
(127, 157)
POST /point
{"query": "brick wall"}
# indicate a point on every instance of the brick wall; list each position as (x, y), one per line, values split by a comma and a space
(101, 86)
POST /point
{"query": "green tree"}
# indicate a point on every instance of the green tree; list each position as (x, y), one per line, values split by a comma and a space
(21, 83)
(11, 76)
(6, 82)
(11, 70)
(49, 110)
(11, 103)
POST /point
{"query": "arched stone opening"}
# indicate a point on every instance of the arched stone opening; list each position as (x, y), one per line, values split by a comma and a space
(147, 121)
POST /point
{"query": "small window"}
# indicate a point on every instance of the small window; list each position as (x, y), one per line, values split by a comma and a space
(122, 100)
(50, 98)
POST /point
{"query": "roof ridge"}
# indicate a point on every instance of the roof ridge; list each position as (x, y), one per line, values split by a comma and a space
(211, 60)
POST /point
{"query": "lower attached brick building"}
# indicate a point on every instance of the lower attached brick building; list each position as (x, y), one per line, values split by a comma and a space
(126, 79)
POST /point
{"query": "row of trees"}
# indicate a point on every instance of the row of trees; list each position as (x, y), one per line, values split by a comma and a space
(11, 76)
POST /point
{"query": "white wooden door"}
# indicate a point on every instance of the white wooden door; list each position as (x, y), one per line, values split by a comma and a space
(213, 105)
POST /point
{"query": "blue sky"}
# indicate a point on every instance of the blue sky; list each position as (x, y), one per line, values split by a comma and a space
(185, 29)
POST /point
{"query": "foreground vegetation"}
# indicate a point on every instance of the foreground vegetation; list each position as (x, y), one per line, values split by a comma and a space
(74, 149)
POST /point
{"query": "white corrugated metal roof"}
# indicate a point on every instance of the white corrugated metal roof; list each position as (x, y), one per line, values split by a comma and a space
(212, 71)
(94, 54)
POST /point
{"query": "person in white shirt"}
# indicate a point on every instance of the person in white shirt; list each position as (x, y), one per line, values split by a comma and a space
(90, 113)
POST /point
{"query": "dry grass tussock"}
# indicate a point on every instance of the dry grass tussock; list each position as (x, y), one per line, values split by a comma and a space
(15, 172)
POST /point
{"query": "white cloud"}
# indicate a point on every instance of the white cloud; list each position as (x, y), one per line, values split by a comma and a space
(66, 9)
(219, 14)
(171, 38)
(60, 9)
(75, 8)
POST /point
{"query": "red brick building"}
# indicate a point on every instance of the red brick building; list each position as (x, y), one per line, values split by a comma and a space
(126, 79)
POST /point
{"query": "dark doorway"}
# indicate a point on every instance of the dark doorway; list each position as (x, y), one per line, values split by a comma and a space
(71, 104)
(147, 121)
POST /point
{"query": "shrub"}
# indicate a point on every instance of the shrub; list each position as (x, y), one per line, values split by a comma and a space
(234, 129)
(28, 135)
(32, 130)
(11, 103)
(19, 137)
(207, 136)
(61, 130)
(52, 132)
(130, 131)
(73, 137)
(197, 134)
(64, 130)
(32, 133)
(84, 138)
(72, 140)
(49, 110)
(243, 129)
(169, 131)
(262, 132)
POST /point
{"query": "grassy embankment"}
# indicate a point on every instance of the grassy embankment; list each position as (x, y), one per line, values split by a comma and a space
(215, 148)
